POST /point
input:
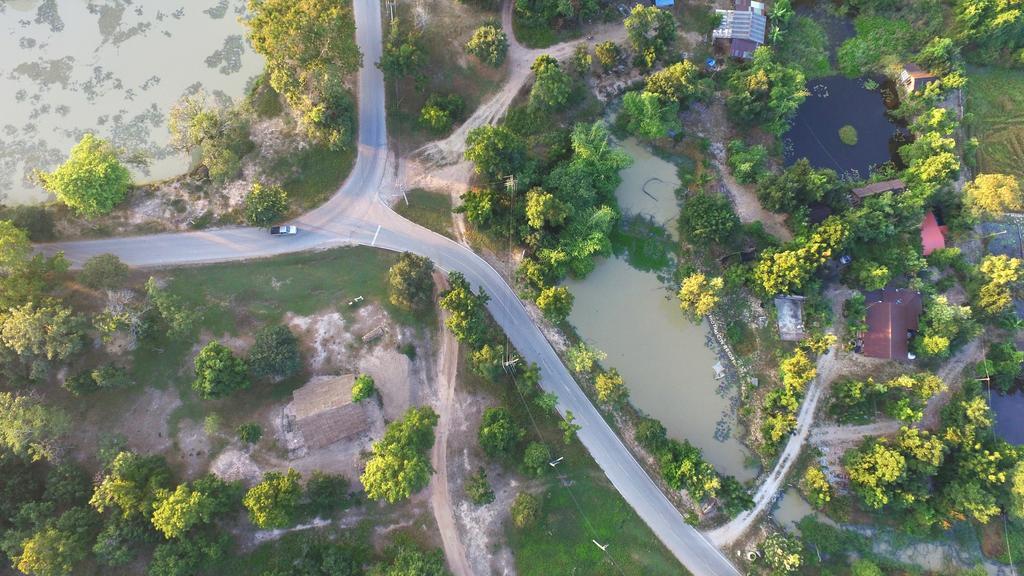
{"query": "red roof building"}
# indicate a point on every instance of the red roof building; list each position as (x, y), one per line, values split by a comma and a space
(933, 234)
(892, 318)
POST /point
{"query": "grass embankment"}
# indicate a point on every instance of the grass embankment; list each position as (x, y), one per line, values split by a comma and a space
(239, 298)
(579, 505)
(995, 106)
(432, 210)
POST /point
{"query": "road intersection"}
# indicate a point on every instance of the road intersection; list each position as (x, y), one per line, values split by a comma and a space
(356, 215)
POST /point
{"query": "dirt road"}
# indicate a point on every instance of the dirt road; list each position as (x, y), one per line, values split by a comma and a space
(440, 496)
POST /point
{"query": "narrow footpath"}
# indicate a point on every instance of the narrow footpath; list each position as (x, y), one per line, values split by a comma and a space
(440, 493)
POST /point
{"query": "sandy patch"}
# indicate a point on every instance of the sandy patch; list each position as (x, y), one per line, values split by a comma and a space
(144, 425)
(324, 339)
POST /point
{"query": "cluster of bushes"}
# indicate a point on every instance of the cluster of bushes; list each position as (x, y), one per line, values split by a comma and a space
(927, 482)
(903, 397)
(683, 467)
(782, 403)
(219, 372)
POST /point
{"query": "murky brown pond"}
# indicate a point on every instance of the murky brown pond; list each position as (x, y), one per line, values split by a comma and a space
(112, 67)
(665, 359)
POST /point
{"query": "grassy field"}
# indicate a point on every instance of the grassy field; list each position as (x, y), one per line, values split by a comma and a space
(447, 26)
(314, 174)
(241, 297)
(432, 210)
(995, 103)
(579, 505)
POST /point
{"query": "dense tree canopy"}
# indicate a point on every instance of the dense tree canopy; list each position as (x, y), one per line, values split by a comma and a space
(651, 32)
(489, 44)
(650, 115)
(698, 294)
(990, 195)
(92, 181)
(679, 82)
(551, 85)
(30, 428)
(399, 465)
(411, 282)
(765, 93)
(707, 218)
(264, 205)
(310, 48)
(274, 502)
(499, 432)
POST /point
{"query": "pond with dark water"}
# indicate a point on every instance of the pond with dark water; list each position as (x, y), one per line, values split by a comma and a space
(838, 101)
(1009, 412)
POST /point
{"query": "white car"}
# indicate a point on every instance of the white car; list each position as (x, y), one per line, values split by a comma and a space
(283, 230)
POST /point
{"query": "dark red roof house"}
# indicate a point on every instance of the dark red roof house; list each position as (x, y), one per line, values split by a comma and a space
(933, 234)
(892, 319)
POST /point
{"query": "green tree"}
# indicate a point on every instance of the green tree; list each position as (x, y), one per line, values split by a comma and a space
(489, 44)
(440, 111)
(583, 358)
(865, 567)
(92, 181)
(815, 484)
(30, 428)
(543, 209)
(327, 493)
(215, 132)
(467, 314)
(362, 388)
(698, 294)
(707, 218)
(746, 162)
(551, 85)
(782, 553)
(499, 432)
(274, 502)
(24, 274)
(219, 372)
(944, 326)
(403, 54)
(411, 282)
(310, 48)
(990, 195)
(60, 545)
(264, 205)
(796, 187)
(249, 432)
(104, 272)
(131, 485)
(478, 488)
(765, 93)
(536, 458)
(679, 82)
(556, 303)
(179, 317)
(1001, 274)
(178, 511)
(407, 560)
(495, 151)
(610, 387)
(608, 54)
(188, 556)
(651, 32)
(525, 510)
(49, 331)
(582, 61)
(649, 115)
(873, 470)
(399, 465)
(275, 352)
(569, 427)
(734, 496)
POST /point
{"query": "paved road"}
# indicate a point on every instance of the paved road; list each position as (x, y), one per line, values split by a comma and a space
(356, 216)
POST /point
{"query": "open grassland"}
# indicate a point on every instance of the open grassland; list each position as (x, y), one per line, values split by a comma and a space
(432, 210)
(579, 505)
(237, 299)
(995, 102)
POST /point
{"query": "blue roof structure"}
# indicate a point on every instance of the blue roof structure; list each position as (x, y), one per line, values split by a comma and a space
(664, 3)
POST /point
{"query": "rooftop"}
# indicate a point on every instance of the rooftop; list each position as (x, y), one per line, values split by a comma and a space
(741, 25)
(324, 411)
(892, 316)
(790, 311)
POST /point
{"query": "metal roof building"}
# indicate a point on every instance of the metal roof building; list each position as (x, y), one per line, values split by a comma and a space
(745, 27)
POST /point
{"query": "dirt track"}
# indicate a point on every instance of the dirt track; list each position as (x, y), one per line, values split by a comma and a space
(440, 495)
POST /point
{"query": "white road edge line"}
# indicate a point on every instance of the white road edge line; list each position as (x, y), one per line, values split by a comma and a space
(374, 241)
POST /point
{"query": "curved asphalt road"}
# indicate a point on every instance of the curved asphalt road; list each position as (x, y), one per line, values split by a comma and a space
(355, 215)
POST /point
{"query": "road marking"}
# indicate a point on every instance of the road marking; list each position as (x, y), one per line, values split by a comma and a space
(374, 241)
